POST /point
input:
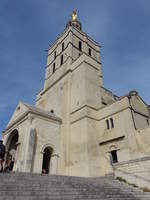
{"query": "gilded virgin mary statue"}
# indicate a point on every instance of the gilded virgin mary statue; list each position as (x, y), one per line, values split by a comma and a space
(74, 15)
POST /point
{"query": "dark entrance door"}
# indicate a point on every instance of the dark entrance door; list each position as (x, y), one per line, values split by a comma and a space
(11, 147)
(46, 160)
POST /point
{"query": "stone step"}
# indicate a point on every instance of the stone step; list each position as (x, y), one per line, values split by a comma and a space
(24, 186)
(40, 176)
(72, 195)
(65, 198)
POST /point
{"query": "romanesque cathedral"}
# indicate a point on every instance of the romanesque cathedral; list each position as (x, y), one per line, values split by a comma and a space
(78, 127)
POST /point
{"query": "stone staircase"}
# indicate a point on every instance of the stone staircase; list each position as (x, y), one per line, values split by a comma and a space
(23, 186)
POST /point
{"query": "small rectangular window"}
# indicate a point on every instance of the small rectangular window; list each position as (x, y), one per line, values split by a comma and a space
(61, 60)
(54, 67)
(112, 122)
(89, 52)
(55, 55)
(107, 124)
(80, 46)
(62, 46)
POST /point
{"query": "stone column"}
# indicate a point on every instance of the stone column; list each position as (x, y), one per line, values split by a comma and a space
(54, 164)
(30, 151)
(16, 163)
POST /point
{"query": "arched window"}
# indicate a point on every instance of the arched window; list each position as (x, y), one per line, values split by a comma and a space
(107, 124)
(89, 52)
(61, 59)
(80, 46)
(47, 154)
(114, 157)
(62, 46)
(54, 67)
(112, 122)
(55, 55)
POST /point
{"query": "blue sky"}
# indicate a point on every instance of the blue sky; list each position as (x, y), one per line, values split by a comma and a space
(28, 27)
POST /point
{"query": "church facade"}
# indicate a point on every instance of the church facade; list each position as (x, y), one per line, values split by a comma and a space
(78, 127)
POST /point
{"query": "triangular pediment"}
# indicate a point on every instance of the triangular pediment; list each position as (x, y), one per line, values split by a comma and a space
(20, 109)
(23, 109)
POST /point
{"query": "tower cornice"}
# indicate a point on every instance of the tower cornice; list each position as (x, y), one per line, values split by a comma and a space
(70, 29)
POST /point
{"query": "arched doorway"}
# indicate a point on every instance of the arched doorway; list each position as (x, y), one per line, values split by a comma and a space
(11, 147)
(47, 154)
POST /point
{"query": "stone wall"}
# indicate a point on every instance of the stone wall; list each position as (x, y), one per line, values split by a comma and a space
(138, 168)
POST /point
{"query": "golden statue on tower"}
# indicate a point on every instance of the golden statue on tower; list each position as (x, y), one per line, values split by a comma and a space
(74, 15)
(74, 21)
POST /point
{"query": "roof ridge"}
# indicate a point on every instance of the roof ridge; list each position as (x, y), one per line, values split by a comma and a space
(32, 107)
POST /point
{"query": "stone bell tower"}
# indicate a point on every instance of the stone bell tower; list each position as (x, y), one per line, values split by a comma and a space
(72, 51)
(72, 89)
